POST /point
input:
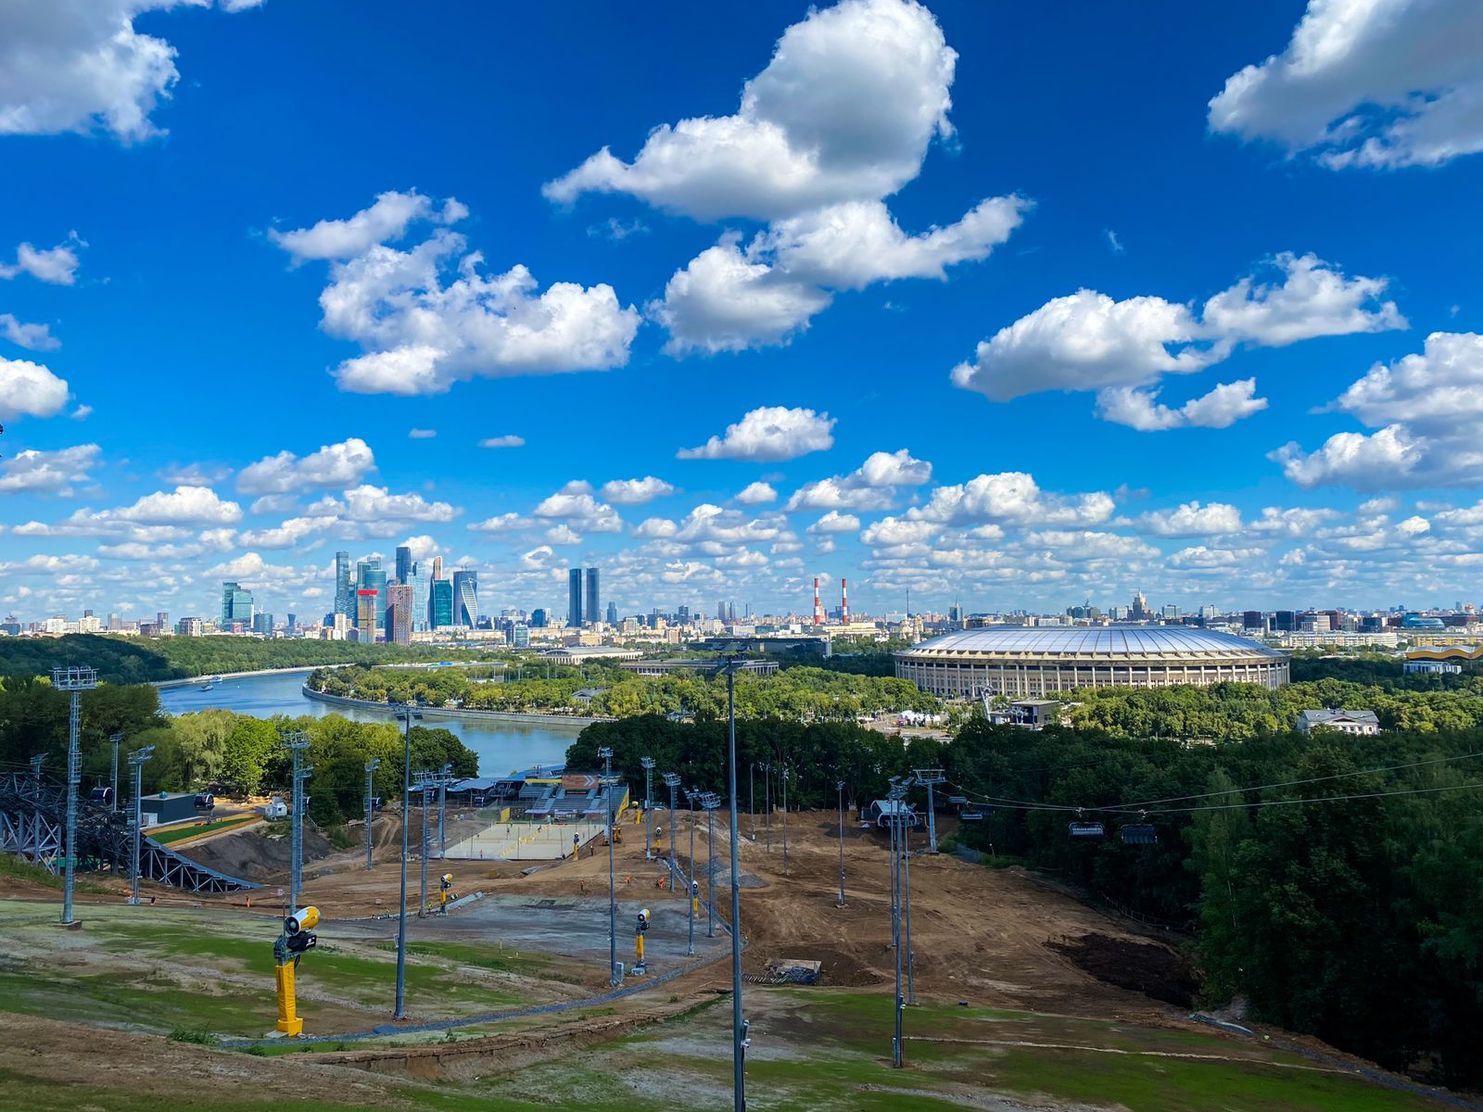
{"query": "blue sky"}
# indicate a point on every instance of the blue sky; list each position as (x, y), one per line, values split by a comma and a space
(1169, 250)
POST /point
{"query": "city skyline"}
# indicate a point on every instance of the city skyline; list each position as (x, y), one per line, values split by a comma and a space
(1015, 334)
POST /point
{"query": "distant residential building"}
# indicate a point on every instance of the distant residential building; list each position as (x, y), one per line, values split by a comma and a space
(466, 598)
(1359, 722)
(440, 605)
(574, 598)
(403, 564)
(399, 613)
(520, 636)
(1435, 667)
(189, 627)
(236, 604)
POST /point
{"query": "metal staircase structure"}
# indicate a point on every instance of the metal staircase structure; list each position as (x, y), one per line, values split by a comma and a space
(32, 819)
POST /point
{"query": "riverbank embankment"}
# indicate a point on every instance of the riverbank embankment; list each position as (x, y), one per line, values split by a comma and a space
(460, 713)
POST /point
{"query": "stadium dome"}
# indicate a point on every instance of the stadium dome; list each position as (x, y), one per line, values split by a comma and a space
(1041, 661)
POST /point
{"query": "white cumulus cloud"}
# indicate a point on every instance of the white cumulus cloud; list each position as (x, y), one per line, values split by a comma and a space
(770, 433)
(333, 465)
(55, 472)
(57, 265)
(1371, 83)
(30, 390)
(872, 486)
(635, 492)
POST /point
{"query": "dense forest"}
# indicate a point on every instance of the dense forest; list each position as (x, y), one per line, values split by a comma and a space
(800, 693)
(235, 753)
(139, 660)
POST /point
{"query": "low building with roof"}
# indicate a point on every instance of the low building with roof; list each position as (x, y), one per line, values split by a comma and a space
(1357, 722)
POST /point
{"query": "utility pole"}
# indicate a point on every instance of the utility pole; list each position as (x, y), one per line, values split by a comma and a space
(752, 797)
(74, 681)
(136, 762)
(296, 742)
(116, 738)
(710, 801)
(839, 787)
(927, 777)
(371, 767)
(424, 784)
(648, 763)
(606, 753)
(911, 957)
(406, 712)
(767, 802)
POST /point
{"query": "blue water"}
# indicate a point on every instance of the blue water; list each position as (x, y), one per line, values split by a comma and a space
(503, 747)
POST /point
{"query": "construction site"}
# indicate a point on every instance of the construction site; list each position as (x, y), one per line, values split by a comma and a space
(1016, 995)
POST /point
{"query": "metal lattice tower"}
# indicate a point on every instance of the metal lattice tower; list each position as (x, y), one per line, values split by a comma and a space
(296, 741)
(785, 820)
(406, 713)
(895, 795)
(839, 787)
(426, 783)
(691, 794)
(74, 681)
(371, 767)
(927, 777)
(648, 764)
(136, 762)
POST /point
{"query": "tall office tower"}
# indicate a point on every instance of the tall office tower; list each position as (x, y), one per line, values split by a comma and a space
(399, 613)
(369, 576)
(262, 623)
(1140, 607)
(466, 598)
(236, 604)
(421, 583)
(344, 599)
(520, 636)
(574, 598)
(720, 611)
(403, 563)
(538, 618)
(440, 609)
(612, 613)
(365, 615)
(437, 567)
(593, 610)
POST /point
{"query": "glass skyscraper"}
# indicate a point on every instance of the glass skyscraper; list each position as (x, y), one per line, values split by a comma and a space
(399, 614)
(344, 598)
(421, 581)
(370, 577)
(403, 564)
(466, 598)
(593, 611)
(236, 604)
(574, 598)
(441, 606)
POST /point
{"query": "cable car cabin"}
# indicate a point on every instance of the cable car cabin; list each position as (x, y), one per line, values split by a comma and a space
(1089, 831)
(1139, 834)
(972, 816)
(103, 797)
(957, 800)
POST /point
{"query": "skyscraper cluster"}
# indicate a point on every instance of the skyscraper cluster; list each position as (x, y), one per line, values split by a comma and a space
(416, 599)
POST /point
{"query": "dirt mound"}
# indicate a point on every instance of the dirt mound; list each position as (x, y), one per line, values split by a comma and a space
(1145, 967)
(261, 854)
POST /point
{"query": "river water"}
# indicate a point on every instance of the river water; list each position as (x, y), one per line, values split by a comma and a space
(503, 747)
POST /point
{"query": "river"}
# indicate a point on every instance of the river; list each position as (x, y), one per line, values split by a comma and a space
(503, 747)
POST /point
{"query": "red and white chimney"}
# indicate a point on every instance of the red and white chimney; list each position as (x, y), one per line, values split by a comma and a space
(818, 604)
(844, 601)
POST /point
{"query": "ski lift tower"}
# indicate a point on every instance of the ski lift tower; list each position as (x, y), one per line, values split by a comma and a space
(74, 681)
(927, 777)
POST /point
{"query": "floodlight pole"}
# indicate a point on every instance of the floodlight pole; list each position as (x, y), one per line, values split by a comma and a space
(426, 784)
(445, 777)
(752, 797)
(648, 763)
(136, 762)
(74, 681)
(710, 801)
(672, 782)
(911, 957)
(839, 787)
(894, 797)
(606, 753)
(690, 894)
(406, 713)
(785, 820)
(738, 1024)
(371, 767)
(116, 738)
(296, 741)
(767, 803)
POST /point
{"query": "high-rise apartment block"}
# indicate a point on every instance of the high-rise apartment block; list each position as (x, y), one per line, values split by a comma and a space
(399, 613)
(365, 615)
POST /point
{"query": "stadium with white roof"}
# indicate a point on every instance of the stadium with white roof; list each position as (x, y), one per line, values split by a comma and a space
(1040, 662)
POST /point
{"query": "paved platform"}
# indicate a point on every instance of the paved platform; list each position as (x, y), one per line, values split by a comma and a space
(524, 841)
